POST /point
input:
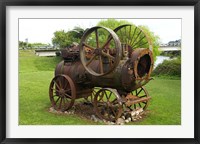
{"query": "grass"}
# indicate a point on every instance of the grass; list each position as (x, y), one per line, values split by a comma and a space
(165, 105)
(35, 74)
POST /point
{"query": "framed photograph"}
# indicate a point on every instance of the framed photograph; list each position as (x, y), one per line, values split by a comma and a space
(99, 72)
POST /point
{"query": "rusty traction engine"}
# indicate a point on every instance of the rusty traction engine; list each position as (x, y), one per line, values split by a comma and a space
(109, 68)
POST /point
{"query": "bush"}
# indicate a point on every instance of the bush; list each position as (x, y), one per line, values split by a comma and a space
(169, 68)
(171, 54)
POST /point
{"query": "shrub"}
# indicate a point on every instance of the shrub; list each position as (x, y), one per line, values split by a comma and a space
(171, 54)
(169, 68)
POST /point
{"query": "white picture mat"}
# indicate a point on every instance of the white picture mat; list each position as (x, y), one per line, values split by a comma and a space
(185, 130)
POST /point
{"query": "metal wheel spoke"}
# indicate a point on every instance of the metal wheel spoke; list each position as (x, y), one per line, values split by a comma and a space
(56, 84)
(91, 59)
(107, 42)
(141, 44)
(139, 92)
(67, 96)
(110, 95)
(138, 41)
(57, 100)
(54, 89)
(88, 46)
(97, 38)
(109, 116)
(67, 99)
(60, 104)
(129, 38)
(134, 106)
(101, 97)
(139, 104)
(129, 107)
(104, 93)
(67, 90)
(101, 103)
(63, 82)
(60, 83)
(122, 36)
(136, 37)
(64, 102)
(110, 61)
(143, 96)
(108, 55)
(94, 93)
(114, 101)
(113, 111)
(66, 84)
(100, 64)
(107, 97)
(133, 34)
(99, 100)
(125, 34)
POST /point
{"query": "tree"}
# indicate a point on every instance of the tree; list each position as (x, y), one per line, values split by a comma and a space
(112, 23)
(77, 32)
(64, 39)
(22, 44)
(60, 39)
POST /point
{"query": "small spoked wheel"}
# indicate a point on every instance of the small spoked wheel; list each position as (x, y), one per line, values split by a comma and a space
(62, 92)
(107, 104)
(139, 94)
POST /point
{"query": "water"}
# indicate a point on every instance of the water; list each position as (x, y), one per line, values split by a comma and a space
(160, 59)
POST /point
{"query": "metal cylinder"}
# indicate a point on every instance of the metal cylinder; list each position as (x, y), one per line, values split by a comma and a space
(129, 75)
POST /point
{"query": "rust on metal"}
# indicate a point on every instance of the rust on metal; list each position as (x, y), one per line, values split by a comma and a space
(120, 66)
(132, 101)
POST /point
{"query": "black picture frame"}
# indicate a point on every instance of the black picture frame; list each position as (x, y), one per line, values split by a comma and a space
(5, 3)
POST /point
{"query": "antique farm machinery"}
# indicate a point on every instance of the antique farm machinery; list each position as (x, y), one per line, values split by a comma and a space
(118, 62)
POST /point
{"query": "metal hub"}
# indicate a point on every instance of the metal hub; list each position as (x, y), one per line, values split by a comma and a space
(98, 51)
(62, 92)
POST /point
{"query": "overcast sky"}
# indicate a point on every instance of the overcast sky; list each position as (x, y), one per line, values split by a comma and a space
(41, 30)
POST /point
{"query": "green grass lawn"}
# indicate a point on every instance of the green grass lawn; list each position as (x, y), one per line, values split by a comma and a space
(35, 74)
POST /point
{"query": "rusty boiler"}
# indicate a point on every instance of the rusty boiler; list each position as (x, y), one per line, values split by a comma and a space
(117, 62)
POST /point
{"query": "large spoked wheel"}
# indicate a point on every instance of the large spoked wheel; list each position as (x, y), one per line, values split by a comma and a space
(138, 45)
(133, 36)
(62, 92)
(107, 104)
(100, 50)
(140, 93)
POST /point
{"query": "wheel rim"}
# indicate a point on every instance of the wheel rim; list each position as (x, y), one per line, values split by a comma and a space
(133, 36)
(107, 104)
(99, 47)
(140, 93)
(62, 92)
